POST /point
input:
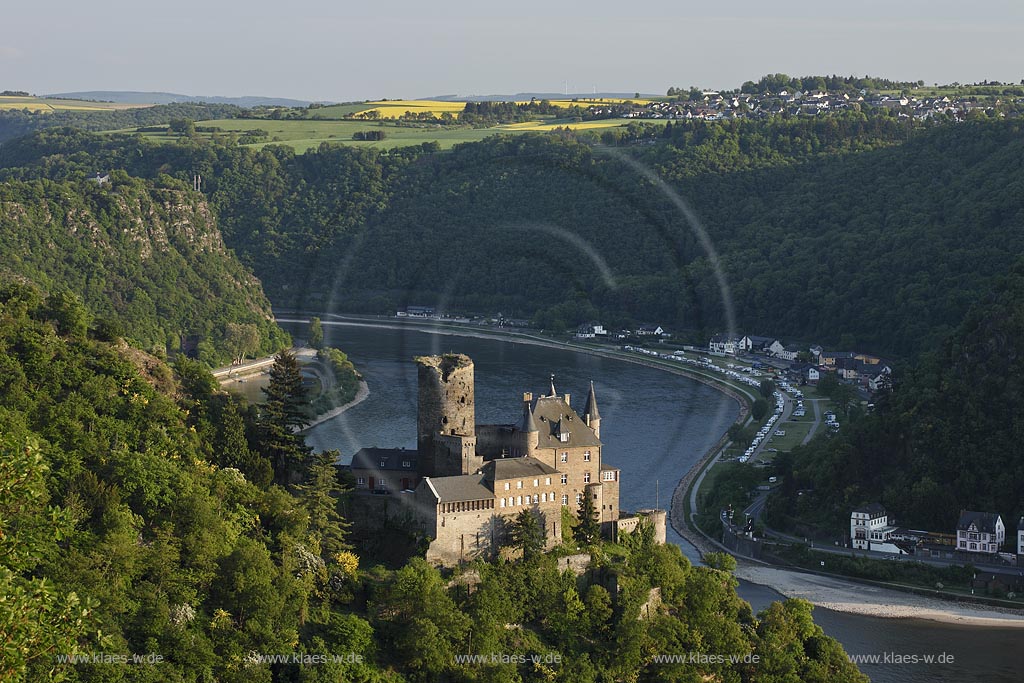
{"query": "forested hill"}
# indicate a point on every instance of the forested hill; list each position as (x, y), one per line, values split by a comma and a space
(146, 258)
(15, 122)
(947, 439)
(861, 230)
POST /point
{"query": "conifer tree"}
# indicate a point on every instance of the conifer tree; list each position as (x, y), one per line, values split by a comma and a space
(231, 448)
(282, 415)
(320, 495)
(589, 530)
(528, 534)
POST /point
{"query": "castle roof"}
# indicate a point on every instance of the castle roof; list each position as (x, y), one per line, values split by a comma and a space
(555, 418)
(526, 422)
(516, 468)
(590, 410)
(458, 488)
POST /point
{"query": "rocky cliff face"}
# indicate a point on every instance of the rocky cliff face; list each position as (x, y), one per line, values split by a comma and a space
(149, 259)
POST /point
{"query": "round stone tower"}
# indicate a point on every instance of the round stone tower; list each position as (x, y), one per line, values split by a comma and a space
(446, 414)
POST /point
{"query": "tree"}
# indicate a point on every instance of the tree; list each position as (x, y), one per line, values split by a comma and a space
(231, 448)
(759, 409)
(528, 534)
(766, 387)
(722, 561)
(320, 496)
(316, 333)
(241, 340)
(182, 127)
(282, 415)
(589, 529)
(68, 313)
(37, 621)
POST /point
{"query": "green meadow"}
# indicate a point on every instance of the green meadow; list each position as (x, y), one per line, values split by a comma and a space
(305, 134)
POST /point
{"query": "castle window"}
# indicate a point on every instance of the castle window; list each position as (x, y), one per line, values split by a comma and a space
(519, 500)
(563, 437)
(361, 481)
(511, 501)
(535, 499)
(579, 498)
(543, 497)
(609, 475)
(565, 499)
(502, 502)
(519, 484)
(586, 456)
(586, 477)
(507, 486)
(406, 463)
(565, 456)
(536, 482)
(565, 478)
(547, 481)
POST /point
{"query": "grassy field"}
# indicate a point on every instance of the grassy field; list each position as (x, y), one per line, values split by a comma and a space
(42, 104)
(310, 133)
(795, 433)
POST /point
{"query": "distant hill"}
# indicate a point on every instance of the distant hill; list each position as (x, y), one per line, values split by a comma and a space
(136, 97)
(522, 96)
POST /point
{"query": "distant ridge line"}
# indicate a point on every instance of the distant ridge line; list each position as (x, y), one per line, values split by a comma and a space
(144, 97)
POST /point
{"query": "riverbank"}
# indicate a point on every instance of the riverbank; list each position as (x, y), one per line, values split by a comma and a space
(361, 395)
(855, 598)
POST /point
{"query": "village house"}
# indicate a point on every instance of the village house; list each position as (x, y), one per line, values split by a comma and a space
(980, 532)
(590, 331)
(723, 343)
(1020, 542)
(870, 529)
(756, 344)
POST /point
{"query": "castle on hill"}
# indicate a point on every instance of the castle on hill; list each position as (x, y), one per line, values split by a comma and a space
(467, 481)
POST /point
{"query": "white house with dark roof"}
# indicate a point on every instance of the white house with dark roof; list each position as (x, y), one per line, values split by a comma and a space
(1020, 542)
(755, 343)
(980, 532)
(870, 529)
(723, 343)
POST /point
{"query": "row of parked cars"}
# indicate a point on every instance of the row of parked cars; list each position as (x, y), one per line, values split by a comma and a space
(732, 373)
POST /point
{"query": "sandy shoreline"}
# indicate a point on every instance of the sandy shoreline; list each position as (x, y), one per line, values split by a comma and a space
(857, 598)
(361, 395)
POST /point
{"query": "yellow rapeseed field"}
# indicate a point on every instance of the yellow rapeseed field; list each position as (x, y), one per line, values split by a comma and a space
(393, 109)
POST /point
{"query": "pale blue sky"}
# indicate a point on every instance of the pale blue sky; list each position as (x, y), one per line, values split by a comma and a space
(330, 50)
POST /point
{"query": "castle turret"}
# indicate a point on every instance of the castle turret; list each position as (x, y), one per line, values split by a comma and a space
(527, 428)
(446, 416)
(590, 414)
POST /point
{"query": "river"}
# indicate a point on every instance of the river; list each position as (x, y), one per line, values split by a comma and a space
(654, 427)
